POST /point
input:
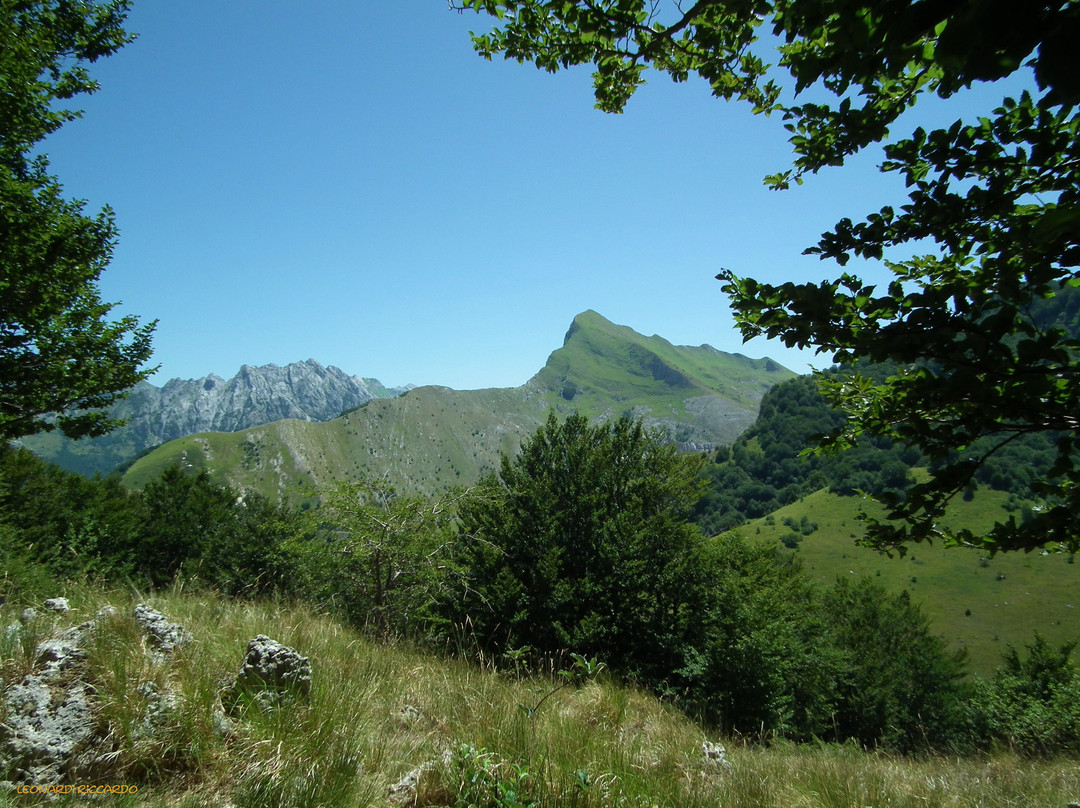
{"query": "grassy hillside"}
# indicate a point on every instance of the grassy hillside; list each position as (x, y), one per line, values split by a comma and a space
(603, 367)
(435, 438)
(377, 712)
(429, 440)
(972, 600)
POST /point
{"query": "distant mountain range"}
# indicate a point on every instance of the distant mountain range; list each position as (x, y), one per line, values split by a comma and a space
(434, 438)
(305, 391)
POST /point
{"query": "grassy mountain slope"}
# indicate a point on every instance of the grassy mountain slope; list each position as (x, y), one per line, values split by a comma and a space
(604, 368)
(1009, 596)
(429, 440)
(377, 712)
(434, 438)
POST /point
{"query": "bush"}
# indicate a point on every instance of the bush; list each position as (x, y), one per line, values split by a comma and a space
(582, 544)
(791, 540)
(382, 561)
(760, 666)
(1031, 705)
(208, 533)
(898, 684)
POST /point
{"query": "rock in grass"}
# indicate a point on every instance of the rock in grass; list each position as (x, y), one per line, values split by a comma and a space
(50, 733)
(57, 605)
(715, 753)
(271, 675)
(164, 637)
(49, 725)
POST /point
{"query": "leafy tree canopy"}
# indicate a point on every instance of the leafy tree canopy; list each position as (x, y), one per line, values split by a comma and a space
(385, 561)
(581, 543)
(58, 352)
(992, 205)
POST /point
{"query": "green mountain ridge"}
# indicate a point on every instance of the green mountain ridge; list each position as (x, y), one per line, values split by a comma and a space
(434, 438)
(602, 366)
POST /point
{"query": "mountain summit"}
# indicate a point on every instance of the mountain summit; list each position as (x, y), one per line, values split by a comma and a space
(601, 364)
(435, 438)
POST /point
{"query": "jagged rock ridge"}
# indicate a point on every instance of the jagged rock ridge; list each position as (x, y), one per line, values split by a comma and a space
(256, 395)
(305, 391)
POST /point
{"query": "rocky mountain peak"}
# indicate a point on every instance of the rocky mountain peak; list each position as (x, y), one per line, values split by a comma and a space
(256, 395)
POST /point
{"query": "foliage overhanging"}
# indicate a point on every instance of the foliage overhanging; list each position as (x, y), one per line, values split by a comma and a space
(58, 352)
(994, 202)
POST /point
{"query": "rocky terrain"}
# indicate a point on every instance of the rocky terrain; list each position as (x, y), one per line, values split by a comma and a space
(304, 391)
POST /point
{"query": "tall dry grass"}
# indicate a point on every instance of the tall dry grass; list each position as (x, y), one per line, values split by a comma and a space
(380, 711)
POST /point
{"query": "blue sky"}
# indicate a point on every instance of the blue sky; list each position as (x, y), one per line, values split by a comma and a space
(349, 181)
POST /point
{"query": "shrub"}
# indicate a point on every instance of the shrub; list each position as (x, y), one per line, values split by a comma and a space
(582, 544)
(1032, 703)
(898, 684)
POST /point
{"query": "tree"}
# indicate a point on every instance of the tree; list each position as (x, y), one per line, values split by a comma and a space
(1030, 705)
(385, 560)
(761, 664)
(67, 524)
(898, 684)
(582, 544)
(58, 352)
(994, 201)
(209, 534)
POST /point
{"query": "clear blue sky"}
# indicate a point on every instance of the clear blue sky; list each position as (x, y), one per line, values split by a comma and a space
(351, 182)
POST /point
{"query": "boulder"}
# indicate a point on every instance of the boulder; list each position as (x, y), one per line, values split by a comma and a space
(162, 636)
(715, 754)
(57, 605)
(51, 733)
(45, 729)
(271, 675)
(49, 728)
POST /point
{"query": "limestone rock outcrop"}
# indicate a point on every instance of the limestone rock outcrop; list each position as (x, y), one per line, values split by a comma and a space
(271, 675)
(256, 395)
(51, 733)
(162, 636)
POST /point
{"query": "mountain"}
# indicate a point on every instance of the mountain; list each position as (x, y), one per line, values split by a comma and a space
(304, 391)
(698, 395)
(433, 438)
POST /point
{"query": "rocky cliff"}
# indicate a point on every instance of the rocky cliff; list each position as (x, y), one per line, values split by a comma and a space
(256, 395)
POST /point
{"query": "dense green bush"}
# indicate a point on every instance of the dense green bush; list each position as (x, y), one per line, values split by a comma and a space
(210, 534)
(69, 524)
(897, 685)
(760, 665)
(181, 524)
(582, 543)
(1031, 705)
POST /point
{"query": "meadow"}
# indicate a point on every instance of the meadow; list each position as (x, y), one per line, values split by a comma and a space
(482, 735)
(977, 602)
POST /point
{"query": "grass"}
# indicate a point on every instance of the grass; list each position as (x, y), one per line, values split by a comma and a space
(974, 601)
(378, 712)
